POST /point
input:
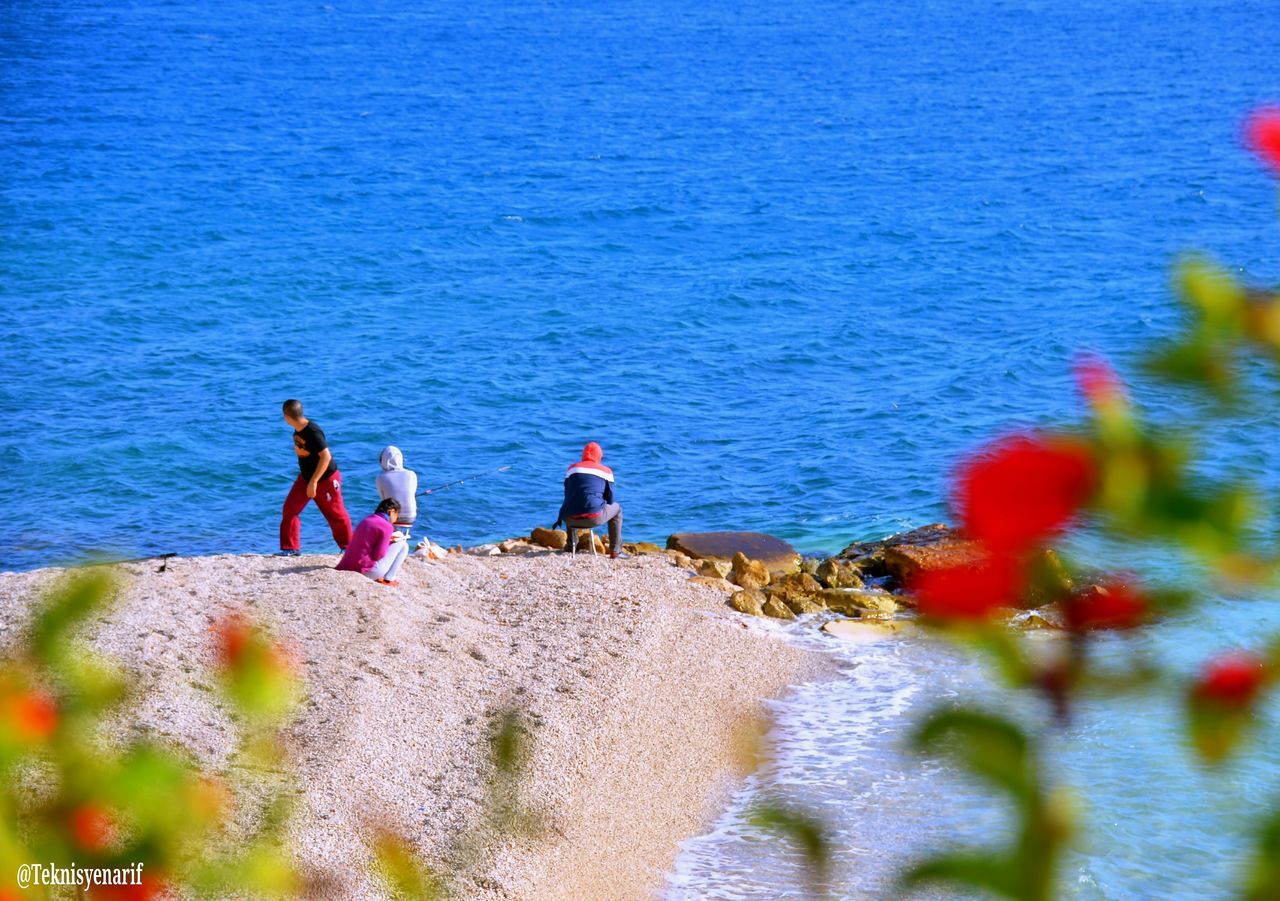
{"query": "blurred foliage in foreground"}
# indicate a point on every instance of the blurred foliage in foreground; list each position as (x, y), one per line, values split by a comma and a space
(1022, 494)
(73, 793)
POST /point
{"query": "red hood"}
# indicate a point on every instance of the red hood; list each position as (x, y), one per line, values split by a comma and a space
(592, 453)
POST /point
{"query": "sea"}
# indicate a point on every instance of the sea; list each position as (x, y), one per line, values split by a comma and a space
(786, 262)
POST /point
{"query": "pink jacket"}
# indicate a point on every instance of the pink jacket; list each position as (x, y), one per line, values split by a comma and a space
(368, 545)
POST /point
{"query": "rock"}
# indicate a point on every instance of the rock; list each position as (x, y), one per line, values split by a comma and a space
(680, 560)
(711, 582)
(865, 632)
(1033, 621)
(809, 565)
(748, 573)
(555, 539)
(1049, 582)
(802, 605)
(777, 555)
(484, 550)
(749, 600)
(718, 569)
(778, 610)
(869, 555)
(857, 602)
(641, 547)
(905, 562)
(516, 546)
(795, 586)
(1047, 617)
(836, 573)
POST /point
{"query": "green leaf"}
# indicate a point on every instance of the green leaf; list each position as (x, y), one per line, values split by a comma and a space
(64, 609)
(803, 830)
(991, 746)
(1263, 881)
(971, 869)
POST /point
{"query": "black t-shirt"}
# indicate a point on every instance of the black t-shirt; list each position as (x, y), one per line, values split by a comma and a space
(308, 441)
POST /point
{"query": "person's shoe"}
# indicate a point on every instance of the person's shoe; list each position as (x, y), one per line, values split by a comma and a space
(388, 583)
(618, 555)
(283, 552)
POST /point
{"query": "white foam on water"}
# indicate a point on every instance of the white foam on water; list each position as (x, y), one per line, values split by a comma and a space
(838, 753)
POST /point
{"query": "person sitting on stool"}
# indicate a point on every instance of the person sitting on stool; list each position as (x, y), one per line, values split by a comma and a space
(588, 499)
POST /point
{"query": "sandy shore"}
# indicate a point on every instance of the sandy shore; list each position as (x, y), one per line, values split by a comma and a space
(638, 684)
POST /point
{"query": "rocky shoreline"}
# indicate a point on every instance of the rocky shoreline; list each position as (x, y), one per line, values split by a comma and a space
(762, 575)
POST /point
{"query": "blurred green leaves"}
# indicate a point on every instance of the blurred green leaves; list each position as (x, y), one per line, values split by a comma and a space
(997, 751)
(72, 793)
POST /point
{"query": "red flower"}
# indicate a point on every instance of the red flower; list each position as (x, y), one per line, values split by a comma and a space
(1231, 681)
(34, 715)
(1114, 605)
(970, 591)
(1097, 380)
(1023, 490)
(232, 635)
(91, 827)
(1262, 135)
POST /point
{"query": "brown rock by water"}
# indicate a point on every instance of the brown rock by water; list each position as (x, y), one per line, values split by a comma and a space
(905, 562)
(749, 600)
(552, 538)
(718, 569)
(777, 555)
(711, 582)
(802, 605)
(748, 573)
(836, 573)
(869, 555)
(796, 590)
(778, 610)
(680, 560)
(640, 548)
(855, 602)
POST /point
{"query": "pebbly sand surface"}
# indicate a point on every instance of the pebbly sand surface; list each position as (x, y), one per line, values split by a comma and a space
(640, 689)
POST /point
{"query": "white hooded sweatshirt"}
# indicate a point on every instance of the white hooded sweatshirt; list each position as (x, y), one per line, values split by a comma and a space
(400, 483)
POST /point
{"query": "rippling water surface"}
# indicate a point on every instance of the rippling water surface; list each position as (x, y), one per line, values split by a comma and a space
(784, 261)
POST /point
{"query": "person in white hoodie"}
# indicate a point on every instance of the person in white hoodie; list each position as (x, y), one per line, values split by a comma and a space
(400, 484)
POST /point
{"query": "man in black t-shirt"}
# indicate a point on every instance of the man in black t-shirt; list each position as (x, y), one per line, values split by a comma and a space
(318, 478)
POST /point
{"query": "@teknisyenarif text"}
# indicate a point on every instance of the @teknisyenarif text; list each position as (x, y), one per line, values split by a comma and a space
(33, 874)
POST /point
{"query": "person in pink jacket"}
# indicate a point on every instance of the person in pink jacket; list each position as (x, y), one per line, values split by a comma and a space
(377, 550)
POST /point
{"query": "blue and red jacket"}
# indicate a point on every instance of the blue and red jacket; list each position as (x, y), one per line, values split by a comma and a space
(588, 485)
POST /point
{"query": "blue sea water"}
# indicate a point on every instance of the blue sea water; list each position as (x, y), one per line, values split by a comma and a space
(786, 262)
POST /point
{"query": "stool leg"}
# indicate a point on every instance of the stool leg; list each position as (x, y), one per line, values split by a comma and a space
(591, 536)
(573, 541)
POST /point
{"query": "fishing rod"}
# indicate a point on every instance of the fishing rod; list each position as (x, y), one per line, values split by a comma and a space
(478, 475)
(163, 558)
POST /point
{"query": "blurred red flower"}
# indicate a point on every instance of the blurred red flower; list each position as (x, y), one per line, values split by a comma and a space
(33, 715)
(232, 635)
(971, 591)
(1023, 490)
(92, 827)
(1115, 605)
(1262, 135)
(1097, 380)
(1231, 681)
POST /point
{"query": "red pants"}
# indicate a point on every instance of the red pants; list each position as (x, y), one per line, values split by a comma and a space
(328, 499)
